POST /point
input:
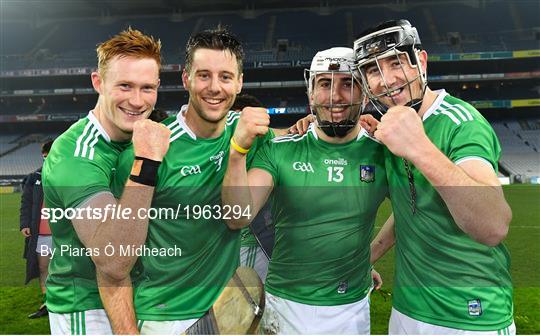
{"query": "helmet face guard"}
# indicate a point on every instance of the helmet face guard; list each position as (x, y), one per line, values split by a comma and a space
(398, 46)
(333, 70)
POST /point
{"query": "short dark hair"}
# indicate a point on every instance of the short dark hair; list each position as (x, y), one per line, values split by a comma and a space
(216, 39)
(46, 147)
(245, 100)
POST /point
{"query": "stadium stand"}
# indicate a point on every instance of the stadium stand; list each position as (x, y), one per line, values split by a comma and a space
(7, 143)
(281, 38)
(520, 148)
(446, 27)
(25, 160)
(20, 154)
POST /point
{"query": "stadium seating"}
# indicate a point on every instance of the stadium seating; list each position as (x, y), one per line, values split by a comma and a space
(301, 32)
(65, 44)
(520, 148)
(23, 161)
(20, 154)
(7, 143)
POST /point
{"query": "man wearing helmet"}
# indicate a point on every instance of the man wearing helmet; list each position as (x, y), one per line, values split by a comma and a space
(450, 216)
(336, 108)
(327, 186)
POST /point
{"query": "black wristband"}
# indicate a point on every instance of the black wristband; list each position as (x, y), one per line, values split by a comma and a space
(147, 171)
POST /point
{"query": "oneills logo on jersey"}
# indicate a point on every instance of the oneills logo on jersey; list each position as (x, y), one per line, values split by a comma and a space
(336, 162)
(475, 307)
(190, 170)
(303, 167)
(367, 173)
(217, 160)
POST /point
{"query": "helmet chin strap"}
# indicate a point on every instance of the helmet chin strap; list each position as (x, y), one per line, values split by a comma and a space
(379, 109)
(340, 128)
(336, 129)
(415, 104)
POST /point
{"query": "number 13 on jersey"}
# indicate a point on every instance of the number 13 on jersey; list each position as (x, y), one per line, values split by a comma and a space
(335, 174)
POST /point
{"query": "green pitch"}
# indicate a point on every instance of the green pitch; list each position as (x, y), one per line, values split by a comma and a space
(17, 301)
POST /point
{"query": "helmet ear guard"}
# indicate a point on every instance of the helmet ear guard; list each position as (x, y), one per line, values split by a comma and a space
(333, 61)
(391, 38)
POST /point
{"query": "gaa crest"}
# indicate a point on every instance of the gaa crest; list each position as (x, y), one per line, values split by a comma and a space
(367, 173)
(342, 287)
(475, 307)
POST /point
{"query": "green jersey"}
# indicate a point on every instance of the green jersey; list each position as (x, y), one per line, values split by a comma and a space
(324, 204)
(82, 162)
(247, 238)
(185, 286)
(443, 276)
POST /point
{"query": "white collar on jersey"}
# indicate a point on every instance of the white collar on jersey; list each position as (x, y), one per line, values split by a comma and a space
(364, 133)
(99, 127)
(311, 128)
(440, 96)
(182, 121)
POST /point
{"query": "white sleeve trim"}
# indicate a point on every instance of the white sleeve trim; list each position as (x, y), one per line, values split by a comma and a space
(477, 158)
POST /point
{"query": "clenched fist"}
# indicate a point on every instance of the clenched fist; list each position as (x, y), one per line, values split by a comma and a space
(254, 121)
(26, 232)
(402, 131)
(150, 139)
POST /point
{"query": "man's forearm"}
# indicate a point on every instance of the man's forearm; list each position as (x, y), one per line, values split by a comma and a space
(480, 210)
(384, 240)
(123, 233)
(235, 190)
(117, 298)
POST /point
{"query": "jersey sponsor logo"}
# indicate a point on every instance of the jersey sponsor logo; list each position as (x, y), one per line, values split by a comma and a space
(217, 159)
(337, 162)
(190, 170)
(303, 167)
(367, 173)
(475, 307)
